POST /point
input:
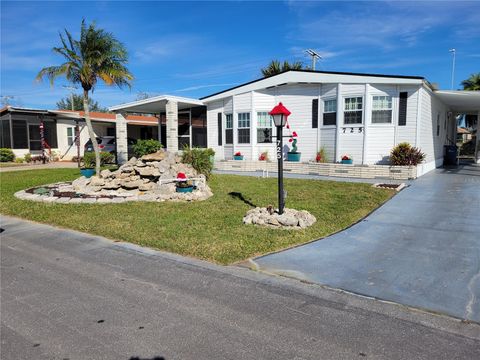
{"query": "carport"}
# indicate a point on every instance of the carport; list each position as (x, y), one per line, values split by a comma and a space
(181, 121)
(463, 102)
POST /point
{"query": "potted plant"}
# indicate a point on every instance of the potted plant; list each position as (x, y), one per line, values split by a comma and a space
(263, 156)
(88, 168)
(347, 159)
(238, 156)
(183, 184)
(293, 155)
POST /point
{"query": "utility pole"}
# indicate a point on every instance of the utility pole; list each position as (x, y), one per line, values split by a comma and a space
(77, 127)
(314, 56)
(453, 51)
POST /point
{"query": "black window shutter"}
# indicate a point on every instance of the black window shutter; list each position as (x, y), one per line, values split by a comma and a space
(219, 119)
(402, 109)
(315, 113)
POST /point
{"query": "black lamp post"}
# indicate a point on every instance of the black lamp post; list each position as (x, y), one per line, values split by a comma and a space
(279, 114)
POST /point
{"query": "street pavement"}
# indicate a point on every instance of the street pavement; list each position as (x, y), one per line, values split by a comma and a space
(67, 295)
(421, 249)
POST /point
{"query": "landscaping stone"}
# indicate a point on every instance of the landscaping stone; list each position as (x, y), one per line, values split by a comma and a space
(157, 156)
(290, 219)
(150, 178)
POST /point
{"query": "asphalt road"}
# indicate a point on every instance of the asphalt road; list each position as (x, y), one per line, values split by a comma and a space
(66, 295)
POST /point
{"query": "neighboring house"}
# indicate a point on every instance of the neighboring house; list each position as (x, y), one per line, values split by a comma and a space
(362, 115)
(20, 129)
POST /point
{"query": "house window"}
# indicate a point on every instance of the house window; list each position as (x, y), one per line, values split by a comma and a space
(70, 136)
(264, 127)
(330, 112)
(228, 129)
(382, 110)
(353, 110)
(243, 128)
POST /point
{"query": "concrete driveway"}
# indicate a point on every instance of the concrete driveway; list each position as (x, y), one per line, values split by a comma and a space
(420, 249)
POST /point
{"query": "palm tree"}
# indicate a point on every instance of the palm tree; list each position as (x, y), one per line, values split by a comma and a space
(97, 55)
(276, 67)
(472, 83)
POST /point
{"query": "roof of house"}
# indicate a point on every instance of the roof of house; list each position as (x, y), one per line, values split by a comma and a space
(311, 76)
(95, 116)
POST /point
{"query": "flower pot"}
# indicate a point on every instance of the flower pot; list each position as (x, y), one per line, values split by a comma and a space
(187, 189)
(237, 157)
(88, 173)
(293, 156)
(349, 161)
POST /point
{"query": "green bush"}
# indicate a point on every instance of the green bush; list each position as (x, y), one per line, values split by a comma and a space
(200, 159)
(89, 159)
(19, 160)
(405, 154)
(28, 157)
(6, 155)
(145, 147)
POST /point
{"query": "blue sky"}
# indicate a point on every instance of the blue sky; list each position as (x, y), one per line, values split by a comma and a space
(193, 49)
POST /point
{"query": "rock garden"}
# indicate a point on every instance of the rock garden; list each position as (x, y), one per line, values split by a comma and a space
(160, 176)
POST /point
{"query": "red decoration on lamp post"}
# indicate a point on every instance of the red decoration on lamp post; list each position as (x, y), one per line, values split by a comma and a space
(280, 114)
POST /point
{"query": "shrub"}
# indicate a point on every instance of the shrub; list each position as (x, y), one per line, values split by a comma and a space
(405, 154)
(19, 160)
(6, 155)
(145, 147)
(264, 156)
(89, 159)
(199, 159)
(321, 155)
(28, 157)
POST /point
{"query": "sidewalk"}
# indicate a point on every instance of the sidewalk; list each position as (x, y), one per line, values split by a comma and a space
(53, 165)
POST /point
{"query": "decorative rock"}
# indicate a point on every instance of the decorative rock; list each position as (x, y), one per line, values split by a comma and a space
(157, 156)
(96, 181)
(105, 173)
(290, 219)
(133, 181)
(148, 171)
(132, 184)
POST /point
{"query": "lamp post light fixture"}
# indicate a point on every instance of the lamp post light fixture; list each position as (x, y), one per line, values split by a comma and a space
(280, 114)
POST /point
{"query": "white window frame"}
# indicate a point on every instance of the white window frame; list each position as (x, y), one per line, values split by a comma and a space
(71, 138)
(227, 116)
(244, 127)
(329, 112)
(353, 110)
(264, 127)
(391, 123)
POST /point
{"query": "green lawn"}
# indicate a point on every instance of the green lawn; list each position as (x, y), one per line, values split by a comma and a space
(211, 229)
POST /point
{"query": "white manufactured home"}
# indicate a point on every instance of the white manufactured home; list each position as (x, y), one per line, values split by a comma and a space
(360, 115)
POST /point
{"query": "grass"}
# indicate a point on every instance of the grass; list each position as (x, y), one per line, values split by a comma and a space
(210, 230)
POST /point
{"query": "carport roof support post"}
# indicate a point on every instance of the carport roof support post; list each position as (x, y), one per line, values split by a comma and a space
(171, 109)
(121, 139)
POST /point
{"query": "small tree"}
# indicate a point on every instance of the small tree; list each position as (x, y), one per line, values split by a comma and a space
(472, 83)
(97, 55)
(66, 104)
(276, 67)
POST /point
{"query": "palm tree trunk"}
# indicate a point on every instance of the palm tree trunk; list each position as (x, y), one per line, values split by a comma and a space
(90, 131)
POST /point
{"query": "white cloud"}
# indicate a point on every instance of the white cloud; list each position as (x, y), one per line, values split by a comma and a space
(177, 45)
